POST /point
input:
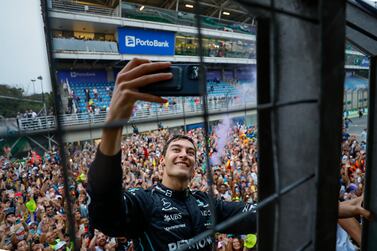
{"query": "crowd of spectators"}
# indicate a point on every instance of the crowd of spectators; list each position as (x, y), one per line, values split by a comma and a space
(353, 165)
(33, 202)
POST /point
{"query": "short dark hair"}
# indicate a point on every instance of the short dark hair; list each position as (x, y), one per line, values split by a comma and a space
(175, 138)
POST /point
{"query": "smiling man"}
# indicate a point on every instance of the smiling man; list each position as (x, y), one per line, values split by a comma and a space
(168, 214)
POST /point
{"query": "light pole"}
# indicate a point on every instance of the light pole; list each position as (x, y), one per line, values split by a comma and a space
(41, 79)
(45, 111)
(43, 95)
(33, 81)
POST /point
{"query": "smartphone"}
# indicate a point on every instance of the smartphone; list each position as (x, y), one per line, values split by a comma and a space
(112, 241)
(185, 82)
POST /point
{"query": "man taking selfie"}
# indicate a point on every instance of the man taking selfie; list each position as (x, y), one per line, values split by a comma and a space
(168, 214)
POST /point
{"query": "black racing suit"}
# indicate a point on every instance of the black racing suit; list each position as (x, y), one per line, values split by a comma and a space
(157, 218)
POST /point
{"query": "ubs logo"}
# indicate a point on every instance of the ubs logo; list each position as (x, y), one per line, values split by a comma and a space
(130, 41)
(172, 217)
(206, 212)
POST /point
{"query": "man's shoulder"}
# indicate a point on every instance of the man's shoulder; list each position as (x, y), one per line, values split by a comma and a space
(137, 191)
(199, 194)
(140, 195)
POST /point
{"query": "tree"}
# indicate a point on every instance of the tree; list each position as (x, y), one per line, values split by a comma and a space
(13, 100)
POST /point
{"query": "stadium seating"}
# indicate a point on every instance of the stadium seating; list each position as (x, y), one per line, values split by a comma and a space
(355, 82)
(213, 88)
(221, 89)
(102, 101)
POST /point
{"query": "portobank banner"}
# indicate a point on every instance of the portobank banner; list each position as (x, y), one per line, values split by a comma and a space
(146, 42)
(71, 77)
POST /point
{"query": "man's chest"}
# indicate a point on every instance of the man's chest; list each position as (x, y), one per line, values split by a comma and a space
(183, 218)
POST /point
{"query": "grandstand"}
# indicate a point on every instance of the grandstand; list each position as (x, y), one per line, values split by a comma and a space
(95, 47)
(86, 40)
(103, 99)
(354, 82)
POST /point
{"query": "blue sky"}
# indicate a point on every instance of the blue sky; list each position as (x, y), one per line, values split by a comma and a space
(23, 47)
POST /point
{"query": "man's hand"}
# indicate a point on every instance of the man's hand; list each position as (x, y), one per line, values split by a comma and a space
(137, 73)
(353, 208)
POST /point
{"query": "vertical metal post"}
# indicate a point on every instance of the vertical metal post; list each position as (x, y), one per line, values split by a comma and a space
(120, 8)
(184, 114)
(59, 129)
(332, 42)
(33, 81)
(157, 119)
(49, 140)
(265, 171)
(370, 202)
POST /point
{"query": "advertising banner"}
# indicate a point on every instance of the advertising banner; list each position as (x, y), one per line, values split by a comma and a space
(146, 42)
(246, 74)
(213, 75)
(365, 62)
(72, 77)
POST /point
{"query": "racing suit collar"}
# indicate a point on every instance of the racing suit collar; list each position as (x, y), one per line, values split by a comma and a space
(171, 193)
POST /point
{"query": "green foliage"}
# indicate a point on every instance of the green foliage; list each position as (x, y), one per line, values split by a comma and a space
(10, 107)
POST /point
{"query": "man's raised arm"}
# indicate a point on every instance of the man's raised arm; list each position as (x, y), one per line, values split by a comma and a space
(108, 210)
(137, 73)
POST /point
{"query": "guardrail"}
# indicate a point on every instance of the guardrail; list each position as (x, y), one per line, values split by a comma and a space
(141, 114)
(353, 100)
(38, 123)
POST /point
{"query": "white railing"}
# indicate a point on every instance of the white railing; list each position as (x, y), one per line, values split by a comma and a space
(353, 100)
(37, 123)
(141, 114)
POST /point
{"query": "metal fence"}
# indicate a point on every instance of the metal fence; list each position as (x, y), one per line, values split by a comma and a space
(141, 114)
(355, 99)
